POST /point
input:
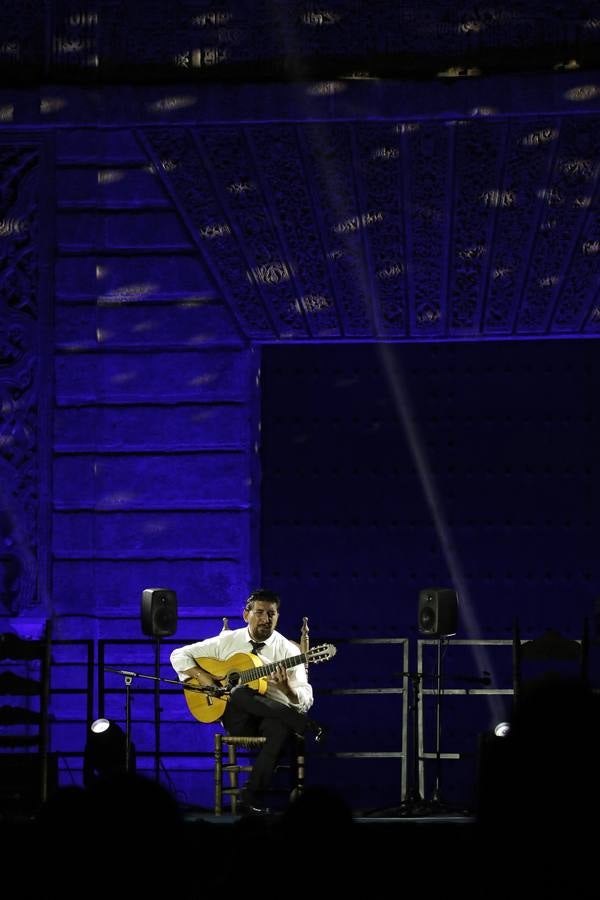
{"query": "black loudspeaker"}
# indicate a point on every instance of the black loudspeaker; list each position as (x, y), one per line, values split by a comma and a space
(159, 612)
(438, 611)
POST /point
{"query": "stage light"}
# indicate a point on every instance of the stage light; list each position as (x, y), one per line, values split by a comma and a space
(106, 752)
(502, 729)
(100, 725)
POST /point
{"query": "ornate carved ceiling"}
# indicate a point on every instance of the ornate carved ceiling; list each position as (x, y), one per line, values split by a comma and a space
(362, 195)
(396, 229)
(242, 39)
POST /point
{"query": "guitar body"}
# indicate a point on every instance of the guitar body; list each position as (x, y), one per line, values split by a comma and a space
(238, 670)
(206, 708)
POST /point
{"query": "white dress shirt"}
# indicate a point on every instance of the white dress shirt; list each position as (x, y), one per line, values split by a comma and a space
(237, 640)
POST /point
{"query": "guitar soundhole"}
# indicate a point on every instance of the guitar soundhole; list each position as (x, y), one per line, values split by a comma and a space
(233, 679)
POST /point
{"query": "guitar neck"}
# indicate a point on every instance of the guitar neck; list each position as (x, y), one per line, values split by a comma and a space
(260, 672)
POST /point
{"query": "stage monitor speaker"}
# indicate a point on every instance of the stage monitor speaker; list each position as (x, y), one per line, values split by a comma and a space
(438, 611)
(159, 612)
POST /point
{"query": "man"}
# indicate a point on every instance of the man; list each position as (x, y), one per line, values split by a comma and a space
(276, 715)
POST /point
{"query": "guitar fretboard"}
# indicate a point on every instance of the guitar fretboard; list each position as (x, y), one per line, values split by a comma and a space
(260, 672)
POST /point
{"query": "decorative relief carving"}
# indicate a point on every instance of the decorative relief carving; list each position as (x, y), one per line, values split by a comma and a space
(426, 150)
(475, 198)
(221, 246)
(573, 177)
(18, 378)
(288, 186)
(529, 150)
(232, 165)
(580, 279)
(330, 169)
(381, 168)
(394, 229)
(279, 37)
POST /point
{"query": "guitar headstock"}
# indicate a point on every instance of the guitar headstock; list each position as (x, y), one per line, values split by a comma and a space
(321, 653)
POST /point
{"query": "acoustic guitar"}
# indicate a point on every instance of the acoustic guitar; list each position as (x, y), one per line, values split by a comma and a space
(241, 669)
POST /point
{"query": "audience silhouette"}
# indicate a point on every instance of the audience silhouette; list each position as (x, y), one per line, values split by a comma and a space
(539, 784)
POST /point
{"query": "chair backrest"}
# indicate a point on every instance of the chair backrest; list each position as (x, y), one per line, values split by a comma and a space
(549, 654)
(304, 639)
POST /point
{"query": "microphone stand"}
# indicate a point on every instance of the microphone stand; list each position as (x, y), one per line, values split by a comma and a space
(157, 710)
(413, 803)
(437, 804)
(185, 685)
(128, 676)
(128, 680)
(436, 797)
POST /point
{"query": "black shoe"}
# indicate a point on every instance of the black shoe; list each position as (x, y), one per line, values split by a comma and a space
(317, 731)
(247, 809)
(249, 805)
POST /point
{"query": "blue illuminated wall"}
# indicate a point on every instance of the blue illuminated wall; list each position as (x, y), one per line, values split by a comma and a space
(429, 463)
(387, 470)
(130, 424)
(155, 397)
(135, 452)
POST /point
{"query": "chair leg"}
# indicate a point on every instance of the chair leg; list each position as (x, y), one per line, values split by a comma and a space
(300, 772)
(218, 774)
(299, 761)
(233, 777)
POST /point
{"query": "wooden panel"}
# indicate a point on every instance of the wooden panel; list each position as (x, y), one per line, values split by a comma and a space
(197, 582)
(174, 534)
(178, 481)
(90, 185)
(172, 377)
(129, 278)
(152, 427)
(144, 228)
(187, 321)
(94, 144)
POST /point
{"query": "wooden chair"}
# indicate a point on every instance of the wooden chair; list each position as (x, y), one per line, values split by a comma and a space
(235, 765)
(550, 654)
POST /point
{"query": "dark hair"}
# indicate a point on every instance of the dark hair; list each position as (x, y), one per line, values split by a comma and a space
(265, 595)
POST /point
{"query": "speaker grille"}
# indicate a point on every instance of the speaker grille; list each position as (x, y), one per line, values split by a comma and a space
(159, 612)
(438, 611)
(427, 617)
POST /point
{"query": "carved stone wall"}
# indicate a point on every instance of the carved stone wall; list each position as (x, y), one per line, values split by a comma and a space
(155, 399)
(20, 365)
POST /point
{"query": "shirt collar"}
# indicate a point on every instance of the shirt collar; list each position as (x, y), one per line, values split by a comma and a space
(268, 641)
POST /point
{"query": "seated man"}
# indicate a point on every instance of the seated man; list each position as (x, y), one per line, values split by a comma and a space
(276, 715)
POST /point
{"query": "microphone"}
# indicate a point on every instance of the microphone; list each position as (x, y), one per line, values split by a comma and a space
(215, 690)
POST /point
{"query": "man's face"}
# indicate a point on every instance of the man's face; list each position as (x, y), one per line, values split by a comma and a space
(261, 619)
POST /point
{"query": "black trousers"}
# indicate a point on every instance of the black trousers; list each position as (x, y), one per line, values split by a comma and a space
(255, 715)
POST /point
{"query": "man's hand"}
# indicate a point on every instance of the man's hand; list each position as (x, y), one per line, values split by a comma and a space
(280, 677)
(200, 677)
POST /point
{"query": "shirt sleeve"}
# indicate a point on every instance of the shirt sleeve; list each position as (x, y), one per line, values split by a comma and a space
(298, 680)
(183, 658)
(303, 688)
